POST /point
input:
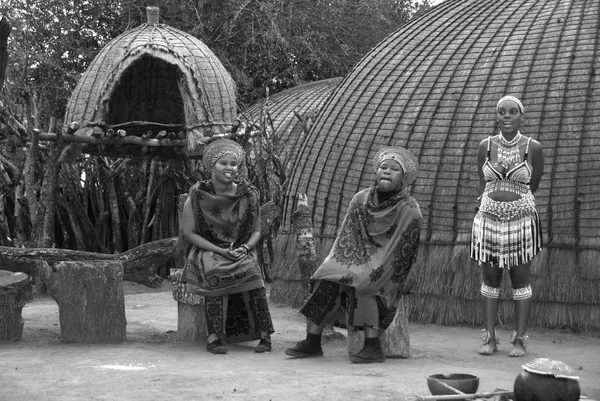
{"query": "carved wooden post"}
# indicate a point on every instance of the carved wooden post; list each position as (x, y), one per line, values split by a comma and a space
(91, 303)
(305, 249)
(15, 291)
(191, 317)
(305, 245)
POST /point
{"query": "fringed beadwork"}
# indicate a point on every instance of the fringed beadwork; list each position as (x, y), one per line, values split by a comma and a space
(506, 234)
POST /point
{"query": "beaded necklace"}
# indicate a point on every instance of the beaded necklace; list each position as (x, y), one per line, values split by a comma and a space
(508, 151)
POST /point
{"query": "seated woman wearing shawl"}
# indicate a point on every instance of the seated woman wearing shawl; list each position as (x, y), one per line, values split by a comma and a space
(360, 282)
(221, 219)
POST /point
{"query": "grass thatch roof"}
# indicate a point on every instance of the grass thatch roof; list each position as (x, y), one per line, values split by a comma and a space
(291, 112)
(432, 87)
(155, 74)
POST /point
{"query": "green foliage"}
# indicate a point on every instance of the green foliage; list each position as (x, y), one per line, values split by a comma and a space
(263, 43)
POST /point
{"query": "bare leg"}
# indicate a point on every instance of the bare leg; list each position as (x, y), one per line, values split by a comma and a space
(492, 279)
(312, 328)
(520, 276)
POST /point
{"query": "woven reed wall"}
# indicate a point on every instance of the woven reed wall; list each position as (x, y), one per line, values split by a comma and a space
(159, 74)
(432, 87)
(306, 100)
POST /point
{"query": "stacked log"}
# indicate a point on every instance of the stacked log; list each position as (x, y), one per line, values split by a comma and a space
(15, 291)
(91, 302)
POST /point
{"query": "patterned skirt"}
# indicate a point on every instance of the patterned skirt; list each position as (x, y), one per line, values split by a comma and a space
(340, 306)
(506, 234)
(239, 317)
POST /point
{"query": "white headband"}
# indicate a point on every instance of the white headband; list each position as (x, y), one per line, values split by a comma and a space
(514, 99)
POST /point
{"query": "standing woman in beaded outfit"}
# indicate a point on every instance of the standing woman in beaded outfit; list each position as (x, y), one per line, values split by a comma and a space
(221, 219)
(507, 233)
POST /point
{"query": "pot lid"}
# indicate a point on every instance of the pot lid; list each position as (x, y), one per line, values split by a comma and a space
(550, 367)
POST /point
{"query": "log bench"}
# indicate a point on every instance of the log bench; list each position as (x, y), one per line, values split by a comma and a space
(15, 291)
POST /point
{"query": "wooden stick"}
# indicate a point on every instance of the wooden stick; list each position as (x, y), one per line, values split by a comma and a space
(441, 383)
(458, 396)
(114, 141)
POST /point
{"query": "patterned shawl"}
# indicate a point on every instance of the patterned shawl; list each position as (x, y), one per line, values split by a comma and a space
(376, 245)
(224, 220)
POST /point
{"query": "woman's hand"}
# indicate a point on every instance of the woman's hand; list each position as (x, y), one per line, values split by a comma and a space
(236, 254)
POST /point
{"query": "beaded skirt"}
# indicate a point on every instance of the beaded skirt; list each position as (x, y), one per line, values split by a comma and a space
(506, 234)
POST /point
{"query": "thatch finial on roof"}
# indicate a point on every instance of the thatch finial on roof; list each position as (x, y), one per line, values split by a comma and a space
(152, 13)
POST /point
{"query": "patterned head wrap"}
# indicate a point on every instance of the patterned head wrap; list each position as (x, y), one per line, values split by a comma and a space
(514, 99)
(406, 160)
(221, 147)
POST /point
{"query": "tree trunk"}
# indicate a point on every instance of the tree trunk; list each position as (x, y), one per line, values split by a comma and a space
(29, 177)
(15, 291)
(146, 214)
(48, 198)
(113, 203)
(91, 303)
(4, 34)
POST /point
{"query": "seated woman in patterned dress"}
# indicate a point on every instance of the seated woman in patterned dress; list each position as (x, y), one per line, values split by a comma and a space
(221, 219)
(360, 282)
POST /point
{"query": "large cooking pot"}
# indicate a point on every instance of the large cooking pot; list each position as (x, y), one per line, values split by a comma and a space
(545, 379)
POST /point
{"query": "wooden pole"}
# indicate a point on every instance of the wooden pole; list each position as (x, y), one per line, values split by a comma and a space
(305, 245)
(457, 397)
(113, 141)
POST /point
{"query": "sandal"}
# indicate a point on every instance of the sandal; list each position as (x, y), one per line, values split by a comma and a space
(264, 345)
(490, 344)
(216, 347)
(519, 343)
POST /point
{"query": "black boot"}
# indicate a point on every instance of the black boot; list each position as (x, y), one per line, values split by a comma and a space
(371, 352)
(308, 348)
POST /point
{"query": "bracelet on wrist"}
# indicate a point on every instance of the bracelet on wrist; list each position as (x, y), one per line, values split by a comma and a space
(246, 247)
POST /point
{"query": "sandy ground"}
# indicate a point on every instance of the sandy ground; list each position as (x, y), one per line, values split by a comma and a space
(152, 365)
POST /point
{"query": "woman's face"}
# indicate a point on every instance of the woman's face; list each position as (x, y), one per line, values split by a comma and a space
(509, 117)
(390, 176)
(225, 169)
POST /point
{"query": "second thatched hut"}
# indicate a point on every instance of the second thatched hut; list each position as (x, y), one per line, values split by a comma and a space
(432, 87)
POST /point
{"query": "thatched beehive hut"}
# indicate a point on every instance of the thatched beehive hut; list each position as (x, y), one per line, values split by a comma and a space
(291, 113)
(432, 87)
(153, 90)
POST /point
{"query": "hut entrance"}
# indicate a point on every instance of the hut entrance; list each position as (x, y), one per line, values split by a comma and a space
(148, 91)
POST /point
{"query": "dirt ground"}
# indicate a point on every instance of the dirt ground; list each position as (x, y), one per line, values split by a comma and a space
(152, 365)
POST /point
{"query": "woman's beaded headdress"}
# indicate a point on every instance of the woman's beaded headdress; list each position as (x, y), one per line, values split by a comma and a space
(406, 160)
(221, 147)
(514, 99)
